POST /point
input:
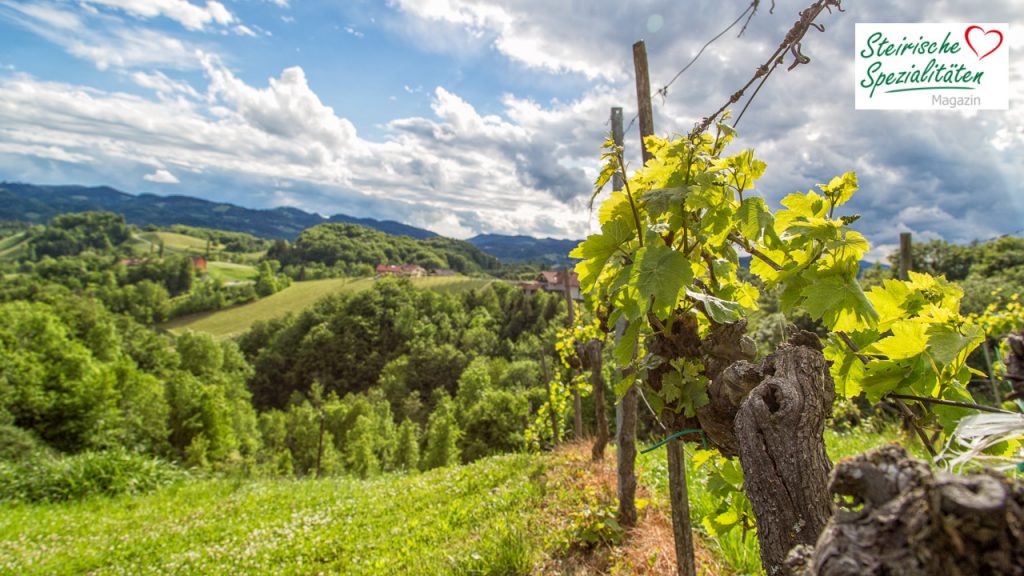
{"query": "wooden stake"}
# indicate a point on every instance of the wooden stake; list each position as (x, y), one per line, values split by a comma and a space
(577, 401)
(626, 407)
(682, 531)
(643, 96)
(906, 256)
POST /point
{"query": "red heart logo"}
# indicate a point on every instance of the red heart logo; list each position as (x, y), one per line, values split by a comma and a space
(984, 35)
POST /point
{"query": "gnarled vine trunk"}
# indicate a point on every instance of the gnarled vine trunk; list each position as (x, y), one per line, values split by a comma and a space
(904, 518)
(1015, 364)
(780, 427)
(772, 415)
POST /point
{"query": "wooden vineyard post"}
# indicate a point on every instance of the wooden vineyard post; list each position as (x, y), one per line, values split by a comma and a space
(643, 96)
(625, 408)
(682, 531)
(577, 402)
(906, 256)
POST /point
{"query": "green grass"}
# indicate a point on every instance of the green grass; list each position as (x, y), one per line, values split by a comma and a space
(465, 520)
(233, 321)
(231, 272)
(175, 242)
(743, 554)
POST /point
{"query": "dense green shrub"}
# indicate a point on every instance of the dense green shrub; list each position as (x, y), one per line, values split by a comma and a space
(107, 473)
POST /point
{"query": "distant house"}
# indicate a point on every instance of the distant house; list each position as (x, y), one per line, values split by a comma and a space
(552, 281)
(530, 288)
(199, 263)
(129, 262)
(443, 272)
(407, 270)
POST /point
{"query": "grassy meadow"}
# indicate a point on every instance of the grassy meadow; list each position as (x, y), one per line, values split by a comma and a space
(513, 514)
(231, 322)
(466, 520)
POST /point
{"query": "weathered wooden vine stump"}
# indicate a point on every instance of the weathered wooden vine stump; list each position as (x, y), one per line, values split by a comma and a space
(779, 429)
(898, 516)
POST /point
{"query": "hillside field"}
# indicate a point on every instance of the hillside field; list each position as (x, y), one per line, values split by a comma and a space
(231, 322)
(512, 514)
(444, 521)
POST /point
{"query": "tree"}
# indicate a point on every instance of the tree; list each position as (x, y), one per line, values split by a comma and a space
(443, 435)
(407, 452)
(266, 282)
(360, 457)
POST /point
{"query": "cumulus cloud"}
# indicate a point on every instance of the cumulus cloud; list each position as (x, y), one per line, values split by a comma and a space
(161, 176)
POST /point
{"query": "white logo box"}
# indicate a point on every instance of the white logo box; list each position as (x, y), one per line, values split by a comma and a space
(950, 66)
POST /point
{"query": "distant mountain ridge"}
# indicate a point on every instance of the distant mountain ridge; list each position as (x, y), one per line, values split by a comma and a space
(38, 204)
(549, 251)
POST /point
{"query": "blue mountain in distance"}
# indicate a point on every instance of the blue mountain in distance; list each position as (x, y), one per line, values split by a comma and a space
(38, 204)
(548, 251)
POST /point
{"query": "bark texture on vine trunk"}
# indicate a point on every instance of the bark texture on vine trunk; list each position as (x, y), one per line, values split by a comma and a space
(779, 429)
(1015, 364)
(902, 517)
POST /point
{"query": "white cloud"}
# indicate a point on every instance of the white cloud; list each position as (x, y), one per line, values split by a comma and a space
(354, 32)
(161, 176)
(243, 30)
(47, 152)
(162, 85)
(553, 36)
(191, 16)
(110, 45)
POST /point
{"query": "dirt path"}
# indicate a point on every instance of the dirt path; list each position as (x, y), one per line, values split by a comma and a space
(584, 537)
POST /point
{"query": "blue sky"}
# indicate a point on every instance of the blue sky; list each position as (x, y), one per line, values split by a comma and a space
(474, 116)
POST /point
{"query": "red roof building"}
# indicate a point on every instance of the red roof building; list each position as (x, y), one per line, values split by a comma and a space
(410, 270)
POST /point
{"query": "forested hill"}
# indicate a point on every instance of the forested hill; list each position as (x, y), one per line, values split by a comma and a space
(39, 204)
(352, 245)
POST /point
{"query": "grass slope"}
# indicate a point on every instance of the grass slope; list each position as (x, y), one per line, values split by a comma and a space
(231, 272)
(463, 520)
(234, 321)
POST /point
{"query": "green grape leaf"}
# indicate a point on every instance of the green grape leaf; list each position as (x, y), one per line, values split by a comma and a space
(685, 395)
(841, 188)
(840, 303)
(908, 340)
(882, 377)
(661, 272)
(850, 246)
(664, 200)
(626, 346)
(616, 207)
(721, 311)
(945, 343)
(847, 369)
(597, 249)
(754, 218)
(893, 301)
(622, 385)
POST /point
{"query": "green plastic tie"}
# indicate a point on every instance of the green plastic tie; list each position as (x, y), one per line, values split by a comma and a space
(677, 435)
